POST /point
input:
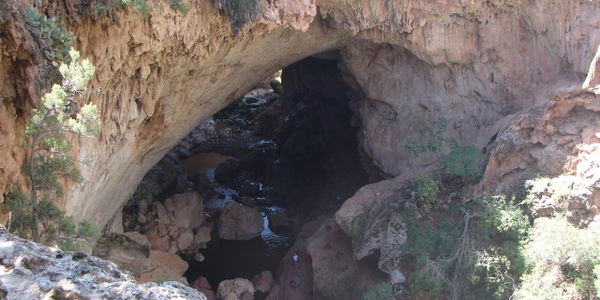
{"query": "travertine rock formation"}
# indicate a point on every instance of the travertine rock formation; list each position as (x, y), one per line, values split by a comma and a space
(32, 271)
(410, 62)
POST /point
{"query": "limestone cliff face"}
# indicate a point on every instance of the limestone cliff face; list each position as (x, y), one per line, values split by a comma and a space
(468, 62)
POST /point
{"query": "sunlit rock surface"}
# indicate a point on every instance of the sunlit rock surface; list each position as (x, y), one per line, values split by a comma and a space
(32, 271)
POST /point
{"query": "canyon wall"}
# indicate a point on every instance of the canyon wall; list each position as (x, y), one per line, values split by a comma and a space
(409, 62)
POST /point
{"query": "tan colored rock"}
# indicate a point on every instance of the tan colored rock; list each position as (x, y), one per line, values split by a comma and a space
(186, 210)
(238, 222)
(138, 238)
(235, 289)
(202, 236)
(171, 261)
(185, 239)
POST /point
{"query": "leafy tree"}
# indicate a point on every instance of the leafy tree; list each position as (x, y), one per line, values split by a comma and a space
(48, 159)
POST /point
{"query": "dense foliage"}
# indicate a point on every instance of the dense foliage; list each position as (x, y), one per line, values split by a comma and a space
(563, 262)
(472, 252)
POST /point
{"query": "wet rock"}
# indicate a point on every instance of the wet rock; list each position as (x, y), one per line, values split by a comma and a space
(235, 289)
(278, 217)
(263, 281)
(238, 222)
(250, 188)
(67, 278)
(226, 172)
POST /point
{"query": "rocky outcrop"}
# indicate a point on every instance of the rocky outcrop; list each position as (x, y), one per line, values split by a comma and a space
(131, 252)
(337, 275)
(238, 222)
(559, 140)
(31, 271)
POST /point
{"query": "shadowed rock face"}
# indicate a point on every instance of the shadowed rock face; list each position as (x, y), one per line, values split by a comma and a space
(409, 63)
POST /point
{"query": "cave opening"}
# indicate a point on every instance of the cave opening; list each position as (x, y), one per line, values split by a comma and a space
(284, 154)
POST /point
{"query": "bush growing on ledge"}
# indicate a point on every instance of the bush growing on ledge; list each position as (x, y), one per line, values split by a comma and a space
(463, 161)
(54, 40)
(433, 137)
(427, 190)
(107, 7)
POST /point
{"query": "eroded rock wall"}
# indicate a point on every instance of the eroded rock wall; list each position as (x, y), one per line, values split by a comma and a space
(468, 62)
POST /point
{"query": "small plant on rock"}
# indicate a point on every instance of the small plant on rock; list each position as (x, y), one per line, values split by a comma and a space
(427, 190)
(54, 39)
(463, 161)
(432, 136)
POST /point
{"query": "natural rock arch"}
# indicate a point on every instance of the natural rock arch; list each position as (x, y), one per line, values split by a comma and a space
(470, 63)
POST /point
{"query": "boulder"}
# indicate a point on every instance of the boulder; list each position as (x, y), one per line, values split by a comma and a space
(186, 210)
(263, 281)
(202, 285)
(238, 222)
(202, 236)
(173, 262)
(235, 289)
(336, 273)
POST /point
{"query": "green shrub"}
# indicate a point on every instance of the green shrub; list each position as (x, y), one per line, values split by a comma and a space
(178, 5)
(54, 227)
(463, 161)
(86, 229)
(427, 189)
(380, 291)
(54, 40)
(433, 137)
(107, 7)
(563, 262)
(472, 251)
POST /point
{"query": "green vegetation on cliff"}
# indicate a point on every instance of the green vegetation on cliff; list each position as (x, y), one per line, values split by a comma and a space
(49, 166)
